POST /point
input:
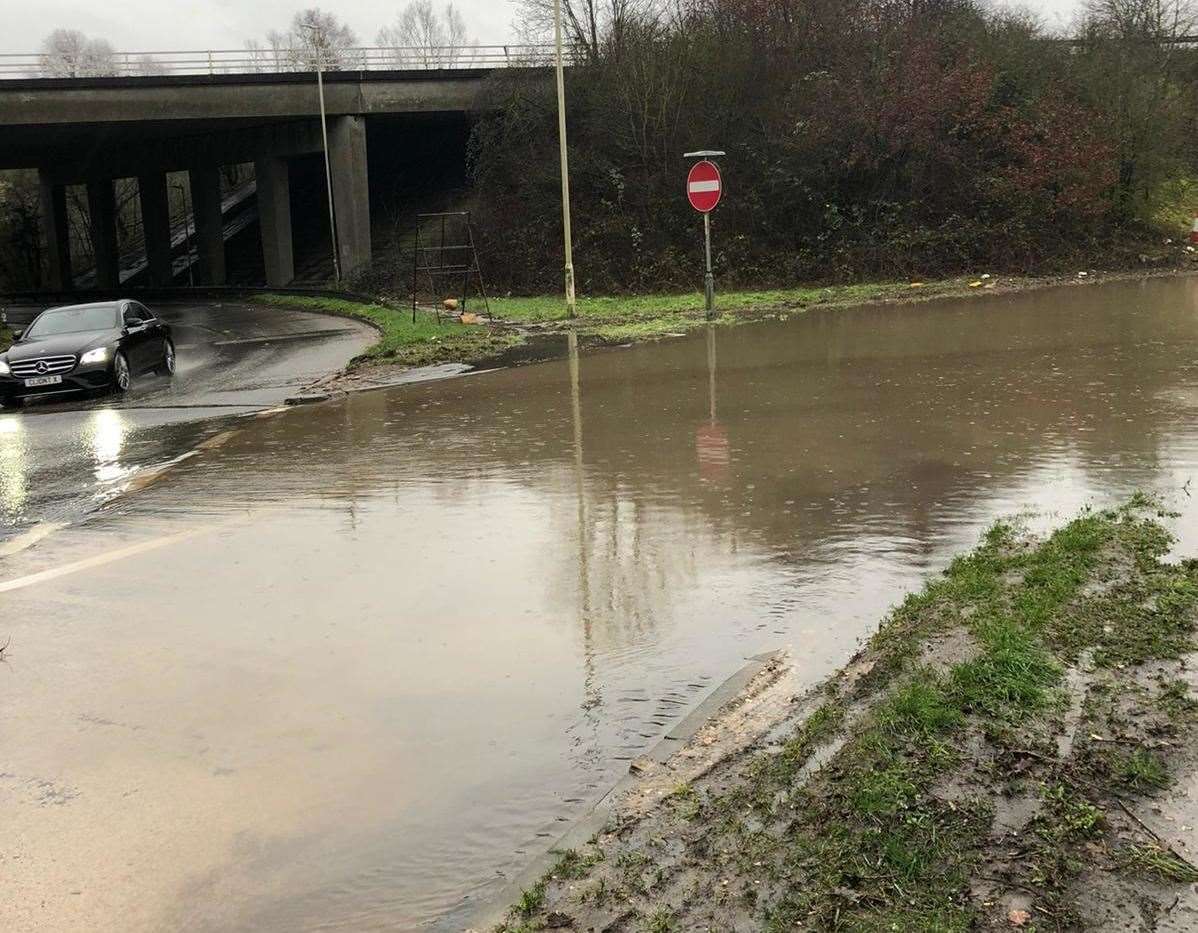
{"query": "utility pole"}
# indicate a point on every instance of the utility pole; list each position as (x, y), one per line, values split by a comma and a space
(571, 302)
(324, 137)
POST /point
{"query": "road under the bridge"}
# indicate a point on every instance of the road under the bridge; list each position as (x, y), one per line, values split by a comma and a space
(59, 461)
(93, 131)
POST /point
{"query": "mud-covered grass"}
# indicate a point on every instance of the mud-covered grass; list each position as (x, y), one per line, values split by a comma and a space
(629, 318)
(619, 319)
(406, 343)
(987, 769)
(629, 309)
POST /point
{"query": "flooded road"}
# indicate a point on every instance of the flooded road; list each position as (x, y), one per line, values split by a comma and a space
(350, 668)
(59, 459)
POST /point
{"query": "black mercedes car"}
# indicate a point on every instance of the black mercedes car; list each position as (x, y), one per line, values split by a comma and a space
(85, 348)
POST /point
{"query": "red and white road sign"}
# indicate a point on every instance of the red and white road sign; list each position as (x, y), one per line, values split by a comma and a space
(704, 186)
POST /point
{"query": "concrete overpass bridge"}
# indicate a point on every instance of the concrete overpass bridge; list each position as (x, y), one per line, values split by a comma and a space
(200, 111)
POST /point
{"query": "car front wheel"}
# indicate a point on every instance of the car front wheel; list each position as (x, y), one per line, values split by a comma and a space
(122, 379)
(168, 357)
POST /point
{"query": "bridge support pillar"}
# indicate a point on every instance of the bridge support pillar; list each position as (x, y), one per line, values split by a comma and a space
(57, 229)
(101, 209)
(156, 225)
(209, 224)
(351, 191)
(274, 215)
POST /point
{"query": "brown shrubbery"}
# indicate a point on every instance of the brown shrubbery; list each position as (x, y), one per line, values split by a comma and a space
(867, 137)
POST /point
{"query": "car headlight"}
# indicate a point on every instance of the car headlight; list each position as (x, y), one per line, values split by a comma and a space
(4, 370)
(98, 355)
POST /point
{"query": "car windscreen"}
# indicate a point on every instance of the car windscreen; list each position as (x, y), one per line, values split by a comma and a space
(74, 320)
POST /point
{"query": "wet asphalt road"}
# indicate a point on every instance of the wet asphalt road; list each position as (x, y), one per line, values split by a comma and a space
(60, 459)
(343, 670)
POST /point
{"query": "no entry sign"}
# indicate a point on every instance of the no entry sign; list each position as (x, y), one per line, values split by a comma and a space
(704, 186)
(703, 189)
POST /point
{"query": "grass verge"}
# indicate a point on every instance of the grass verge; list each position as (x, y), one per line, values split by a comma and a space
(966, 778)
(402, 341)
(638, 317)
(635, 317)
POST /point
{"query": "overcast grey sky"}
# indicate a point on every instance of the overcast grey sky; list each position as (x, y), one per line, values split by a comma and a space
(155, 25)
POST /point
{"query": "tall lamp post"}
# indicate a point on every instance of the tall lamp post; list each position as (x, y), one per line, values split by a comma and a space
(324, 137)
(571, 303)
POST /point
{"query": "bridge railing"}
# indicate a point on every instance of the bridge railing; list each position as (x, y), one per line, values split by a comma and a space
(257, 60)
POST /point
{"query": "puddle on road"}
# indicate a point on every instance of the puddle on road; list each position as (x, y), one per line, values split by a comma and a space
(447, 614)
(61, 458)
(58, 467)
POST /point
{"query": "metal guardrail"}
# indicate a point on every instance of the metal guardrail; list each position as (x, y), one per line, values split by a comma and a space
(250, 61)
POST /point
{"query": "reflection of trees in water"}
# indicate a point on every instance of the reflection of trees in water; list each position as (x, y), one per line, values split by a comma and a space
(638, 561)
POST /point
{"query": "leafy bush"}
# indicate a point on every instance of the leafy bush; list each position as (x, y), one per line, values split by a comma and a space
(864, 138)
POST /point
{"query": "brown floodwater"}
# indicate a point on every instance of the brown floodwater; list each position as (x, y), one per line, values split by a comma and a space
(361, 660)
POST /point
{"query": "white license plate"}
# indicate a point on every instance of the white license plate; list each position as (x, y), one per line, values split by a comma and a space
(42, 381)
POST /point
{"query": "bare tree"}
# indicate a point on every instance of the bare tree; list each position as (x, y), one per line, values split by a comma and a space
(314, 34)
(257, 58)
(1142, 19)
(21, 242)
(1132, 76)
(317, 34)
(149, 65)
(282, 52)
(422, 36)
(69, 53)
(586, 24)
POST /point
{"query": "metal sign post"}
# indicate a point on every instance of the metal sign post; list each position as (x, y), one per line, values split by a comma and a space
(709, 277)
(704, 188)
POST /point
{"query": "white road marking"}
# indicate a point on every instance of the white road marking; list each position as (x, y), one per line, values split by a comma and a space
(29, 538)
(217, 440)
(99, 560)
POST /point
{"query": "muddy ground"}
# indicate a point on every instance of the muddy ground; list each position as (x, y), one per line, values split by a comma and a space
(1014, 749)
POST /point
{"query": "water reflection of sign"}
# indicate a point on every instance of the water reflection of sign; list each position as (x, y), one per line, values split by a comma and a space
(711, 444)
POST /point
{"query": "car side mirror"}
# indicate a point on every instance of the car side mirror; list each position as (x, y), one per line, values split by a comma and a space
(16, 334)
